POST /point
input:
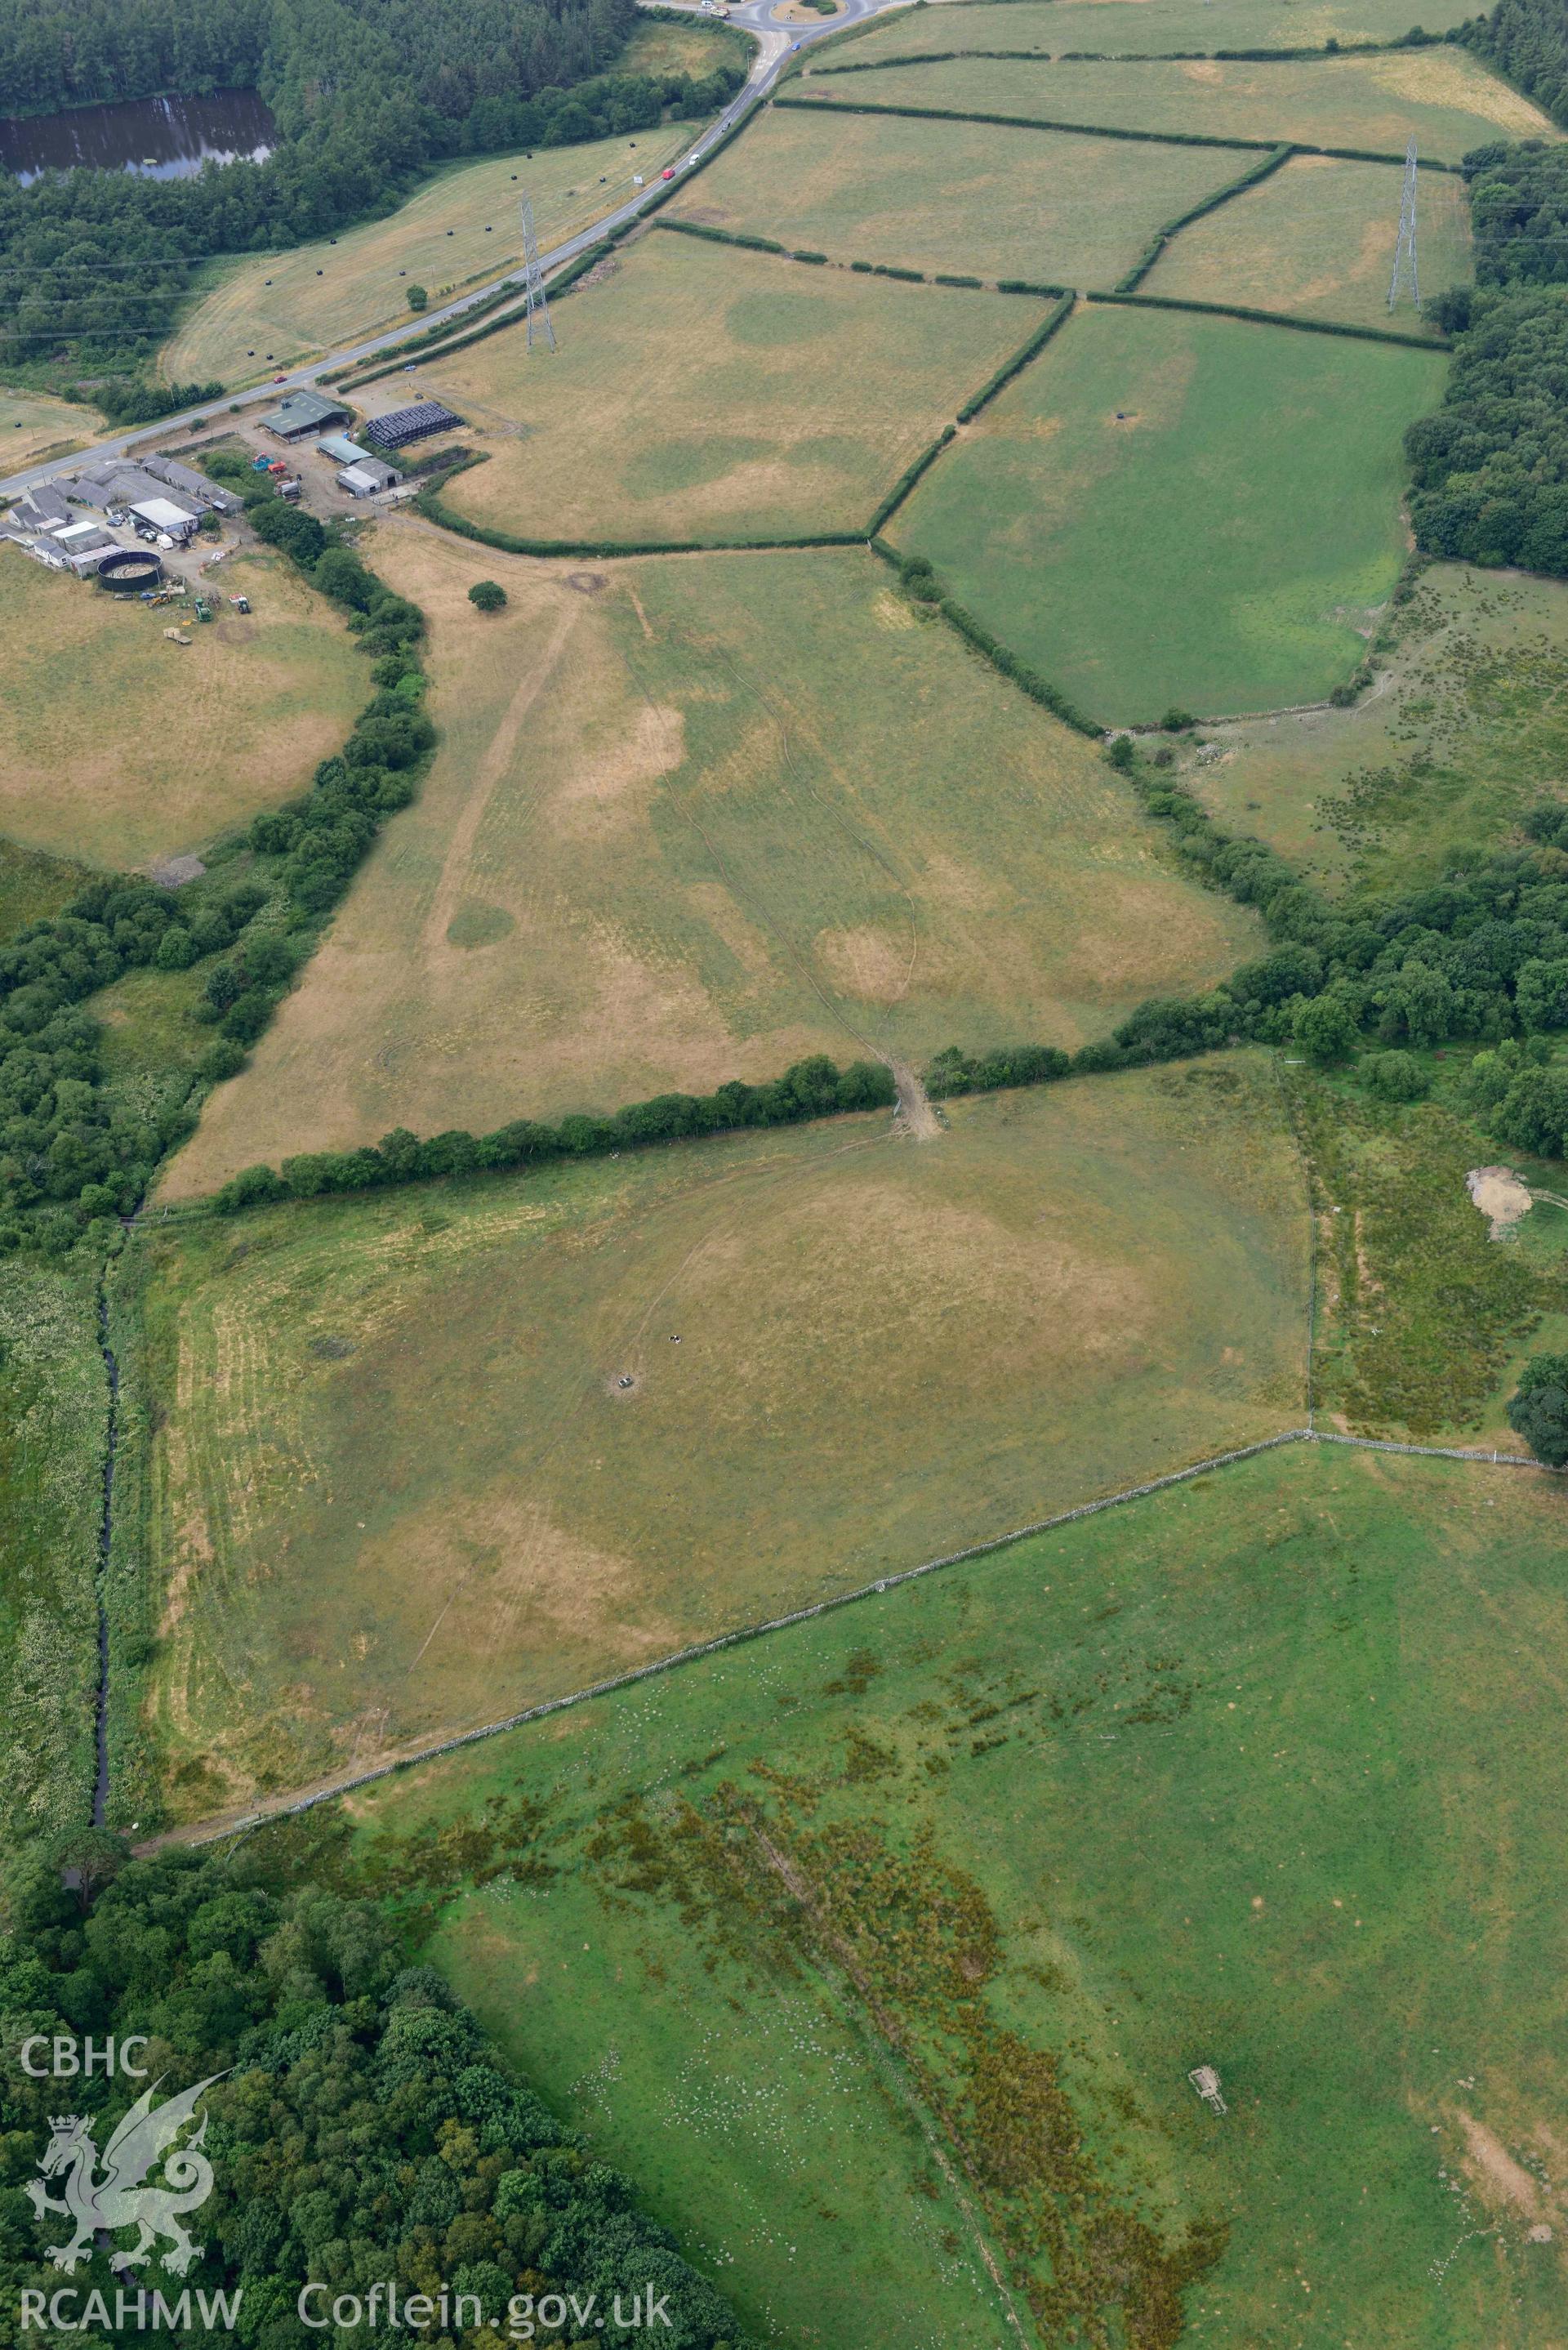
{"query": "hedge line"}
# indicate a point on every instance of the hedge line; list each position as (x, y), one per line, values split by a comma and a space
(922, 582)
(560, 287)
(721, 235)
(429, 503)
(346, 377)
(1019, 361)
(906, 481)
(1107, 131)
(1162, 236)
(1040, 123)
(1133, 56)
(1276, 319)
(809, 1088)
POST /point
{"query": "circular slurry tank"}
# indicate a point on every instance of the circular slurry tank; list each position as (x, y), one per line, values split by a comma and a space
(130, 571)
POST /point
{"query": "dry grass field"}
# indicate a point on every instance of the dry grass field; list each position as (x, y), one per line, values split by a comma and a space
(1443, 96)
(118, 748)
(401, 1486)
(460, 227)
(709, 816)
(32, 425)
(963, 196)
(701, 392)
(1317, 238)
(1173, 509)
(1140, 27)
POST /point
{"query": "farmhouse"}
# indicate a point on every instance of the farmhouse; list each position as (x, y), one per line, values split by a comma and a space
(401, 425)
(41, 509)
(301, 413)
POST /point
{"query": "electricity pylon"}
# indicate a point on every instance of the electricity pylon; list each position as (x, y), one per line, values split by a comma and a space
(533, 302)
(1405, 251)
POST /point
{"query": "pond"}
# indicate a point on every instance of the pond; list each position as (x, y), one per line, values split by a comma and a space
(157, 138)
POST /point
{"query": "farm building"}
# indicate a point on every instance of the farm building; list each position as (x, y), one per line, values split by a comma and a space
(338, 445)
(41, 509)
(301, 413)
(192, 485)
(163, 516)
(401, 425)
(117, 485)
(363, 480)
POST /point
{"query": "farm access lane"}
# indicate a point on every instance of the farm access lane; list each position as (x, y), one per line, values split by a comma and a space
(777, 43)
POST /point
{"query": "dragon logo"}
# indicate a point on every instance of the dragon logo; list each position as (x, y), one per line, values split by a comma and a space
(118, 2199)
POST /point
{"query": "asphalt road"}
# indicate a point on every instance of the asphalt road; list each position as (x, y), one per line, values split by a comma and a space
(777, 43)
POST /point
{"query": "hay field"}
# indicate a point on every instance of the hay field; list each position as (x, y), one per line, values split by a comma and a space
(1441, 95)
(1262, 1773)
(32, 425)
(1317, 238)
(703, 392)
(1140, 27)
(1467, 731)
(400, 1486)
(961, 196)
(1174, 509)
(713, 816)
(119, 748)
(460, 227)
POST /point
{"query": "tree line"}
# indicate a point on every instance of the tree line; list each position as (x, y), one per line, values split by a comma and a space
(364, 2129)
(1490, 469)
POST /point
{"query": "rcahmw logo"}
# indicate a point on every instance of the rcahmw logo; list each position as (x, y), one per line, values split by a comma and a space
(108, 2192)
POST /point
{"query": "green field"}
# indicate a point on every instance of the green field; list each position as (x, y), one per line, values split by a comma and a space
(1317, 238)
(462, 227)
(119, 748)
(398, 1487)
(1139, 28)
(53, 1419)
(1172, 509)
(710, 817)
(1441, 96)
(1467, 731)
(962, 196)
(703, 391)
(1262, 1773)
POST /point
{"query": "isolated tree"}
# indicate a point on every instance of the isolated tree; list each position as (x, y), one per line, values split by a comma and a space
(1539, 1409)
(486, 596)
(418, 297)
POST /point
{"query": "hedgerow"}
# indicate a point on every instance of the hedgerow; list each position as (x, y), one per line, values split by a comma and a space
(1277, 318)
(1019, 361)
(906, 480)
(810, 1088)
(1211, 203)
